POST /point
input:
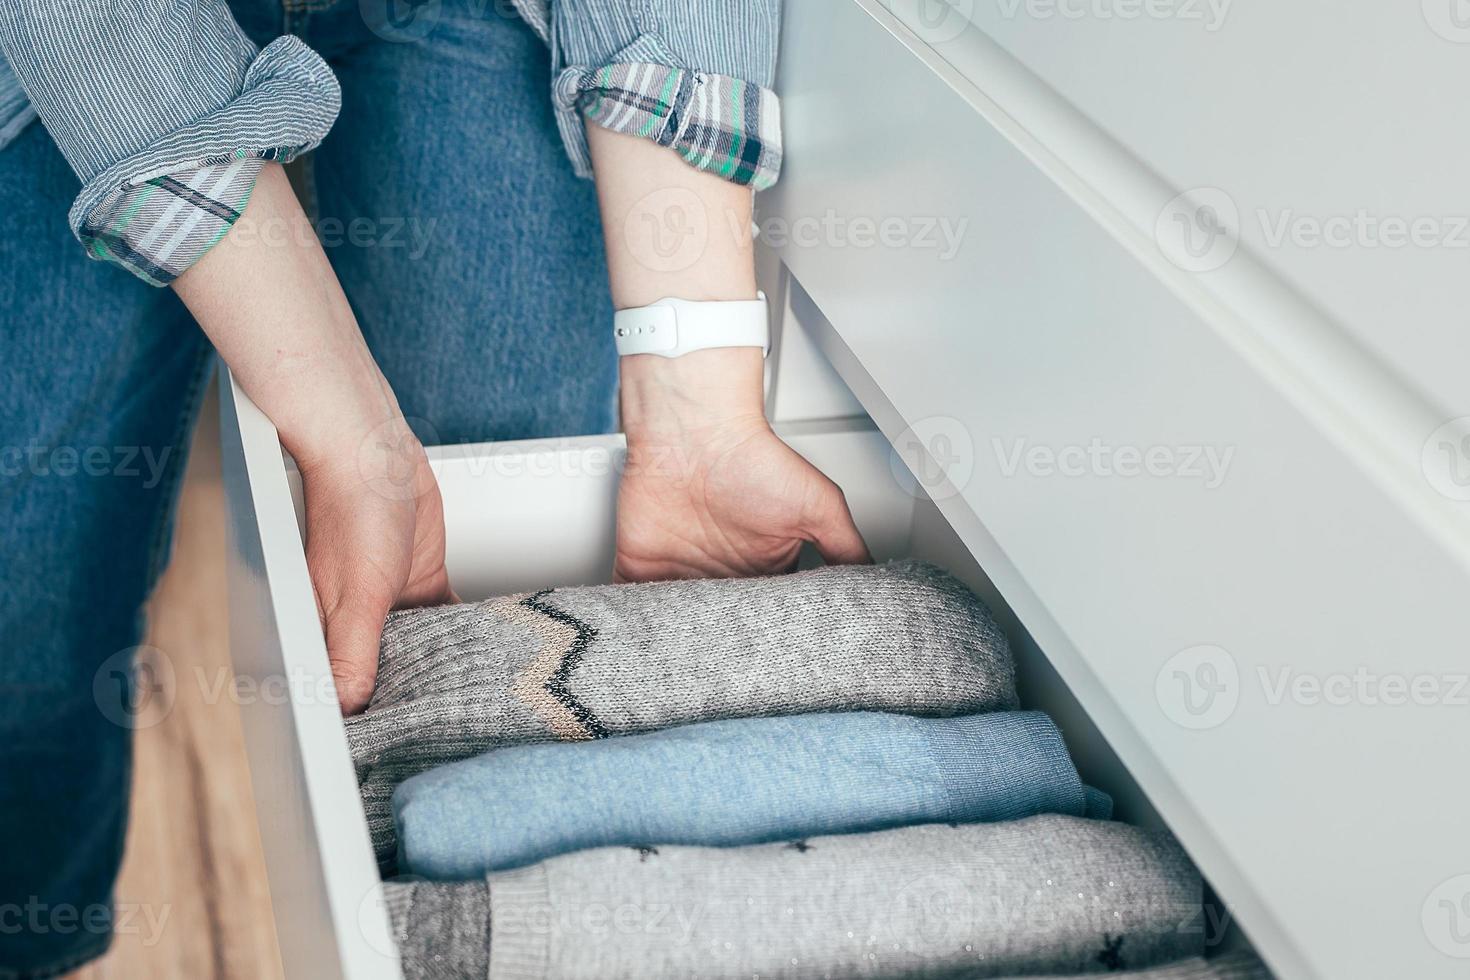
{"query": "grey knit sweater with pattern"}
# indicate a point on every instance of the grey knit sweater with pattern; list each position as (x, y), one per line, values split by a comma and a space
(585, 663)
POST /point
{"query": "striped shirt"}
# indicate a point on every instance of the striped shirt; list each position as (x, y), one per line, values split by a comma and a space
(169, 140)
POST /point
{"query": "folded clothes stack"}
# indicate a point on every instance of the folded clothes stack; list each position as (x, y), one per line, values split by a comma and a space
(586, 663)
(820, 775)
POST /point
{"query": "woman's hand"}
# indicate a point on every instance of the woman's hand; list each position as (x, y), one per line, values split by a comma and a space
(709, 489)
(374, 542)
(270, 302)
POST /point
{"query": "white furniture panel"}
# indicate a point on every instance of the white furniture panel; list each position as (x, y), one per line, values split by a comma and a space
(802, 385)
(1329, 119)
(1202, 499)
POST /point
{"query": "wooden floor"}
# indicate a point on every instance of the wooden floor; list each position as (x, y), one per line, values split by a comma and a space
(193, 879)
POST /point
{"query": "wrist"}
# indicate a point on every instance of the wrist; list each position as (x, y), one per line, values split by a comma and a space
(348, 426)
(684, 399)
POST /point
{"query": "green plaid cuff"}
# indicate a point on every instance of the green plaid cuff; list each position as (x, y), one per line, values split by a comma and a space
(157, 227)
(717, 123)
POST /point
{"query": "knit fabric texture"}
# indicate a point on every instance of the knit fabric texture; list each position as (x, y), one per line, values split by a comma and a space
(442, 930)
(726, 783)
(584, 663)
(1050, 894)
(1232, 966)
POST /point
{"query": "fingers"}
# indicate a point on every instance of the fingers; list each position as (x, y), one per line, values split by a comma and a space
(353, 628)
(834, 534)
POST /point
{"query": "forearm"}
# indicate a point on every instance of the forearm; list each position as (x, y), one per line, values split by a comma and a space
(674, 231)
(271, 304)
(671, 230)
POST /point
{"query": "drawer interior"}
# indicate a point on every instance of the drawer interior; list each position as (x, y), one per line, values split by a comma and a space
(520, 516)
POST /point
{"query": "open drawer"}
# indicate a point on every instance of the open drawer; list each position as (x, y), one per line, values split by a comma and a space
(520, 516)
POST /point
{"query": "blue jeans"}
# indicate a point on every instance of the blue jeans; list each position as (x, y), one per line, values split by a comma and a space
(473, 259)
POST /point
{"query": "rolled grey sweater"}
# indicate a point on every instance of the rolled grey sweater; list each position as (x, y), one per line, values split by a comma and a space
(1049, 895)
(584, 663)
(1232, 966)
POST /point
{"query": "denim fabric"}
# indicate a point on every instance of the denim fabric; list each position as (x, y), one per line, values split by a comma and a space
(726, 783)
(471, 253)
(472, 256)
(100, 375)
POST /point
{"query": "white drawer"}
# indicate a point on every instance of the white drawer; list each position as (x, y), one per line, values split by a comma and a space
(520, 516)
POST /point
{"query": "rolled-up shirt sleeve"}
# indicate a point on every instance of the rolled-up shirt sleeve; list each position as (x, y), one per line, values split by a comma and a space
(695, 77)
(167, 112)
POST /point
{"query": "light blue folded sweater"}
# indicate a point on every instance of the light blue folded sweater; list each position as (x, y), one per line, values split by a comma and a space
(727, 783)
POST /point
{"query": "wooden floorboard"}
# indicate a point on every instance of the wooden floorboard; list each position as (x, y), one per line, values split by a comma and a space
(193, 901)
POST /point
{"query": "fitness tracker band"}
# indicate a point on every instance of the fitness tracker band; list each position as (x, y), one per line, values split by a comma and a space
(675, 327)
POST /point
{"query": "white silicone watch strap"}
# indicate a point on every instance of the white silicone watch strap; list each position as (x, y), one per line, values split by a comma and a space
(673, 327)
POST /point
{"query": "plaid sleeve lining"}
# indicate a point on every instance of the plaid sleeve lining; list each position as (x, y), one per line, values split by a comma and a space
(717, 123)
(159, 211)
(160, 227)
